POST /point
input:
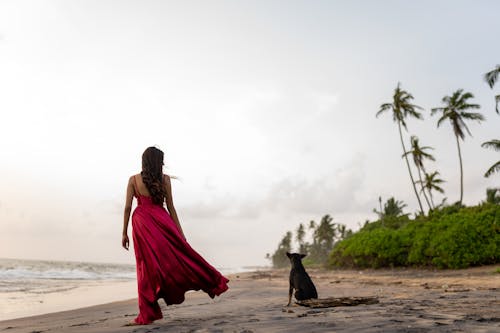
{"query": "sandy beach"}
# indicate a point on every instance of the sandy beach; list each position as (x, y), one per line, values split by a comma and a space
(411, 300)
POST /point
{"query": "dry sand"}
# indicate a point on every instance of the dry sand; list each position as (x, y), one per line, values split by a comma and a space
(410, 301)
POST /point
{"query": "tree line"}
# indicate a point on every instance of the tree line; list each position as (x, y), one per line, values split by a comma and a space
(324, 235)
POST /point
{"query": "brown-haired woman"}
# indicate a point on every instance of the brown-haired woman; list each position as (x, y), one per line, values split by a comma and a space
(166, 264)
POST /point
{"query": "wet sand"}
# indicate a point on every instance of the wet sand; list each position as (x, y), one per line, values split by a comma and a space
(411, 300)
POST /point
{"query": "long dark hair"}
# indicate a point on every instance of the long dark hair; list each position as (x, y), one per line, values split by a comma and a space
(152, 174)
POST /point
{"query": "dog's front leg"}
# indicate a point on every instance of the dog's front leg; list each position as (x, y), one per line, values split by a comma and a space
(290, 292)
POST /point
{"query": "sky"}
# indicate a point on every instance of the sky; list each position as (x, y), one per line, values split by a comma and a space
(265, 111)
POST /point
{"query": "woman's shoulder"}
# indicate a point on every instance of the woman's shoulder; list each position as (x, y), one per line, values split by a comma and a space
(166, 178)
(134, 177)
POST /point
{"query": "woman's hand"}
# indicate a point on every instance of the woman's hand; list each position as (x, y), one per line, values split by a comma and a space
(125, 241)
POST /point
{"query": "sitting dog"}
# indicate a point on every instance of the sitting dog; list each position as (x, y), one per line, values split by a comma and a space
(300, 280)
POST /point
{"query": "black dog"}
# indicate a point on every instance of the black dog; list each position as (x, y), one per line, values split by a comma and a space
(300, 280)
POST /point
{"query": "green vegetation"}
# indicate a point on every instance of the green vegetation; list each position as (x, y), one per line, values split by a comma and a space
(392, 208)
(493, 196)
(451, 237)
(324, 236)
(279, 258)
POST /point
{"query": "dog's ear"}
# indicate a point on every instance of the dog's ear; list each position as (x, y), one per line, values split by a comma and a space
(288, 254)
(303, 256)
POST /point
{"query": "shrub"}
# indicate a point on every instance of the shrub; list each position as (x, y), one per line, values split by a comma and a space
(452, 237)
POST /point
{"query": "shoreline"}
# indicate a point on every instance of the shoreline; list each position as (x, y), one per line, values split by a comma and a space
(410, 299)
(81, 294)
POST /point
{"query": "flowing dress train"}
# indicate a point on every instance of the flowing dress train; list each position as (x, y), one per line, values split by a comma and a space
(167, 266)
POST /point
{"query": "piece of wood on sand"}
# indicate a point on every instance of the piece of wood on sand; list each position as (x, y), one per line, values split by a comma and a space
(337, 301)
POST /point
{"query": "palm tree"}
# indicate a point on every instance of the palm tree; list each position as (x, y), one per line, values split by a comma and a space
(392, 207)
(301, 233)
(493, 195)
(431, 183)
(325, 232)
(279, 258)
(402, 108)
(419, 155)
(312, 224)
(323, 239)
(455, 110)
(343, 232)
(494, 144)
(491, 78)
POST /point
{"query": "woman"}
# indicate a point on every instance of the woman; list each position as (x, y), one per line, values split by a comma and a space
(167, 266)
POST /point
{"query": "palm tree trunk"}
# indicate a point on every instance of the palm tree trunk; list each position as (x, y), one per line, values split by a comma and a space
(461, 171)
(409, 169)
(432, 201)
(423, 189)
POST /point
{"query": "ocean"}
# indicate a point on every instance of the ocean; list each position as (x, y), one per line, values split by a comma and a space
(42, 276)
(32, 287)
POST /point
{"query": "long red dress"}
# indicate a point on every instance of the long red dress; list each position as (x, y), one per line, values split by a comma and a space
(167, 266)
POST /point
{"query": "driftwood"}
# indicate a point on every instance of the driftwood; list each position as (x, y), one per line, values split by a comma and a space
(337, 301)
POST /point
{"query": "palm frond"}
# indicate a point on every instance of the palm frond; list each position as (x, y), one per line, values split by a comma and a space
(463, 96)
(435, 110)
(427, 155)
(438, 181)
(458, 126)
(437, 188)
(465, 106)
(493, 144)
(401, 107)
(492, 76)
(433, 176)
(415, 114)
(472, 116)
(493, 169)
(462, 99)
(455, 97)
(384, 107)
(440, 120)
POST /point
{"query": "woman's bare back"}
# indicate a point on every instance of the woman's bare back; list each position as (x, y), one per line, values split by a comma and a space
(141, 187)
(143, 190)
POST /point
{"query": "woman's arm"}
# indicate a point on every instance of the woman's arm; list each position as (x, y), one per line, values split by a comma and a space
(126, 213)
(170, 203)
